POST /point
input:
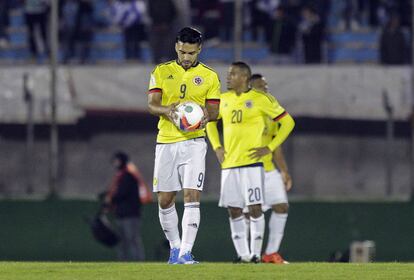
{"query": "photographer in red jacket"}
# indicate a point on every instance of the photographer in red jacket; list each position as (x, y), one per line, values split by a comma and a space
(123, 199)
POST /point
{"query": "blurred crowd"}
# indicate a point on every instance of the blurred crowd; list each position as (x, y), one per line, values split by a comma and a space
(292, 30)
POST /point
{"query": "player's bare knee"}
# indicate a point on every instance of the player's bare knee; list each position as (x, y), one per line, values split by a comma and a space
(166, 200)
(235, 212)
(191, 195)
(281, 208)
(255, 211)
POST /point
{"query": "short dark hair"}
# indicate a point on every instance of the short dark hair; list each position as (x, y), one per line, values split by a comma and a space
(121, 156)
(242, 65)
(189, 35)
(256, 76)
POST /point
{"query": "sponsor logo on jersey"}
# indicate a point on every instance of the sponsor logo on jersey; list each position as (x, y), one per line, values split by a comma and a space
(197, 80)
(249, 104)
(170, 77)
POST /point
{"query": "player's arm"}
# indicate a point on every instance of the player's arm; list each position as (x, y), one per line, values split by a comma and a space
(212, 107)
(281, 164)
(155, 107)
(214, 138)
(213, 99)
(286, 126)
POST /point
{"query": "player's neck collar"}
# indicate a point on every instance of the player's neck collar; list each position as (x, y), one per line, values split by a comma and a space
(195, 64)
(246, 91)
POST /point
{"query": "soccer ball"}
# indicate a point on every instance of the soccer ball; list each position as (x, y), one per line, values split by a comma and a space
(190, 115)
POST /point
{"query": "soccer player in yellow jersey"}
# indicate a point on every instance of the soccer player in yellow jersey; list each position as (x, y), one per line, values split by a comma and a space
(180, 156)
(243, 111)
(277, 182)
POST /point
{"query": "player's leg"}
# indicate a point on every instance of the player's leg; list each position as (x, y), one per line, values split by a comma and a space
(247, 221)
(231, 197)
(190, 222)
(257, 228)
(166, 184)
(253, 181)
(192, 173)
(238, 234)
(275, 195)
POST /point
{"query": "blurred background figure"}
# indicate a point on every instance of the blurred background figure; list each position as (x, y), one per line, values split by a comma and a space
(132, 17)
(183, 9)
(4, 23)
(78, 24)
(124, 200)
(227, 19)
(163, 14)
(36, 16)
(311, 29)
(209, 16)
(283, 39)
(393, 45)
(261, 12)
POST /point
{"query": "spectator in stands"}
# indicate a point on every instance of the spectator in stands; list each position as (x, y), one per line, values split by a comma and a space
(123, 199)
(209, 17)
(283, 38)
(393, 45)
(4, 23)
(261, 12)
(78, 17)
(311, 29)
(163, 14)
(132, 17)
(36, 14)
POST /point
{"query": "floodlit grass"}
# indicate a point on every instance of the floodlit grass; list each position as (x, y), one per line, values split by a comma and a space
(119, 271)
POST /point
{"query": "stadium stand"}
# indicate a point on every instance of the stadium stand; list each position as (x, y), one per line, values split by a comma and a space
(353, 47)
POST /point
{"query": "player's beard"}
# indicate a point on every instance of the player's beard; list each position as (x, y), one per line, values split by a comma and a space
(186, 64)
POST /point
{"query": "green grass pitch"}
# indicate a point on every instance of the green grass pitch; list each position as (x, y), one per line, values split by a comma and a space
(120, 271)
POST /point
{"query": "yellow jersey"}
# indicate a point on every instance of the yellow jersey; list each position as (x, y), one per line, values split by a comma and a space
(243, 119)
(199, 84)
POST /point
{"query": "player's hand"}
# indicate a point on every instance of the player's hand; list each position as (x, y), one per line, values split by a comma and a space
(220, 154)
(258, 153)
(287, 180)
(172, 112)
(206, 117)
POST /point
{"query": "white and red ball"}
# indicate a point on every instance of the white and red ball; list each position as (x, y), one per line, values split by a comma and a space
(190, 115)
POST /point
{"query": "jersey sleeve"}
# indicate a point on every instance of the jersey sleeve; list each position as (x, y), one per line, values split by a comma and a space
(213, 134)
(155, 83)
(213, 94)
(272, 108)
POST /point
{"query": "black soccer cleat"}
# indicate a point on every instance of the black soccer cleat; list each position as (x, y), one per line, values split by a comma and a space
(255, 259)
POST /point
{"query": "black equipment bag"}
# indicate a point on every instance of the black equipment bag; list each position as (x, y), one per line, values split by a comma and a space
(103, 231)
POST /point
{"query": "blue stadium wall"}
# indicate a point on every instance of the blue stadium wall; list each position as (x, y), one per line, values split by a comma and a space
(56, 230)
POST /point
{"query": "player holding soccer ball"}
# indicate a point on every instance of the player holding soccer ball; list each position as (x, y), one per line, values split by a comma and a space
(180, 155)
(243, 111)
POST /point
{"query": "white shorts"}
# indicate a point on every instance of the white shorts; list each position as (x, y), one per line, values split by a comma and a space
(180, 165)
(274, 191)
(242, 186)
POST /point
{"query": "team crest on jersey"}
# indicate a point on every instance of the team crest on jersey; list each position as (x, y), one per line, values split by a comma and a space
(197, 80)
(249, 104)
